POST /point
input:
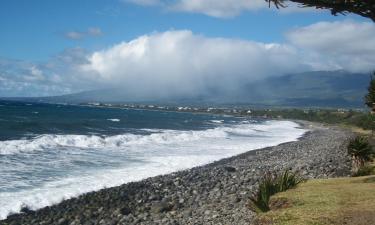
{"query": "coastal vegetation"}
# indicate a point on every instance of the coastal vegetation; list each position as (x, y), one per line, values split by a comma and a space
(359, 119)
(327, 201)
(271, 184)
(370, 96)
(361, 152)
(323, 202)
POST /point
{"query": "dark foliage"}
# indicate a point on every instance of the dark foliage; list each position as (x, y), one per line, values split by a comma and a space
(370, 97)
(360, 149)
(365, 8)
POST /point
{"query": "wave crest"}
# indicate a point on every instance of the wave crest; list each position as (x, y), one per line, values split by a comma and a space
(49, 141)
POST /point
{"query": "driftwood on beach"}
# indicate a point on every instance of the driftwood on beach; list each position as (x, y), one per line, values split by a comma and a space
(217, 193)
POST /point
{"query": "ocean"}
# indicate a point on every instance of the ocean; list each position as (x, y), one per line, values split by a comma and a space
(49, 152)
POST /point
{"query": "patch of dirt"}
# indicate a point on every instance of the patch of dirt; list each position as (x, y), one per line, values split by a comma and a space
(263, 221)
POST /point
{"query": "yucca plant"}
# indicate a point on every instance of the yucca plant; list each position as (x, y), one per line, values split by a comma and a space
(287, 180)
(361, 151)
(271, 184)
(259, 201)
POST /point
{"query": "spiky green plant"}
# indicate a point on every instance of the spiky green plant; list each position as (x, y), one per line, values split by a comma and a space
(267, 187)
(361, 152)
(271, 184)
(287, 180)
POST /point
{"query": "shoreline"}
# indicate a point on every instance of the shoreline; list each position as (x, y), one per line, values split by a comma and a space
(216, 193)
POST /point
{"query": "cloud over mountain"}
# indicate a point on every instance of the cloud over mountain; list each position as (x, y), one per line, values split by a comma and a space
(182, 63)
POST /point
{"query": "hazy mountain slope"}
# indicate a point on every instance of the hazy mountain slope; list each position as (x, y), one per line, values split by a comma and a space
(337, 88)
(327, 89)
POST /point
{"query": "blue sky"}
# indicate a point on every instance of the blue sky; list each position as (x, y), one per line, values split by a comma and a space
(37, 34)
(34, 30)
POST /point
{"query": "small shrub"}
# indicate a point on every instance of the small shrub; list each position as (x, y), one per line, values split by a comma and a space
(364, 171)
(271, 184)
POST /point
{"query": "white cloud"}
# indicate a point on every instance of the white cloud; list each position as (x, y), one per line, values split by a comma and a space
(144, 2)
(74, 35)
(94, 31)
(78, 35)
(11, 88)
(28, 86)
(217, 8)
(23, 78)
(345, 44)
(35, 74)
(181, 63)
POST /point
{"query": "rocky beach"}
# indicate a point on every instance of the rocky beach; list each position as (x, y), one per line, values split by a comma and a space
(217, 193)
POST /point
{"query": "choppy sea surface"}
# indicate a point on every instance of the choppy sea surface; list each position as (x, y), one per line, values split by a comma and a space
(49, 153)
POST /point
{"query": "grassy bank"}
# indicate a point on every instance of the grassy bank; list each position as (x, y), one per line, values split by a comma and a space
(323, 202)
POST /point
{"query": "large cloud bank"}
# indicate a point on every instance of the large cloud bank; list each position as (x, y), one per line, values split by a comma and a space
(182, 64)
(179, 63)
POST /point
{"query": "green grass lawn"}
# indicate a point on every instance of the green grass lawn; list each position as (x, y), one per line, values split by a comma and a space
(327, 201)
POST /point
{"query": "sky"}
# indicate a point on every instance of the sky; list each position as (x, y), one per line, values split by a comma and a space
(170, 47)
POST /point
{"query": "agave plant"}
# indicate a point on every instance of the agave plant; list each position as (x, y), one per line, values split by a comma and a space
(361, 151)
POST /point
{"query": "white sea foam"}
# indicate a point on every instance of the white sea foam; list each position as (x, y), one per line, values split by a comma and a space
(217, 121)
(47, 142)
(114, 120)
(161, 152)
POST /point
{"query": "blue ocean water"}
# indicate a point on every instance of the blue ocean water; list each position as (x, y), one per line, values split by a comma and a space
(53, 152)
